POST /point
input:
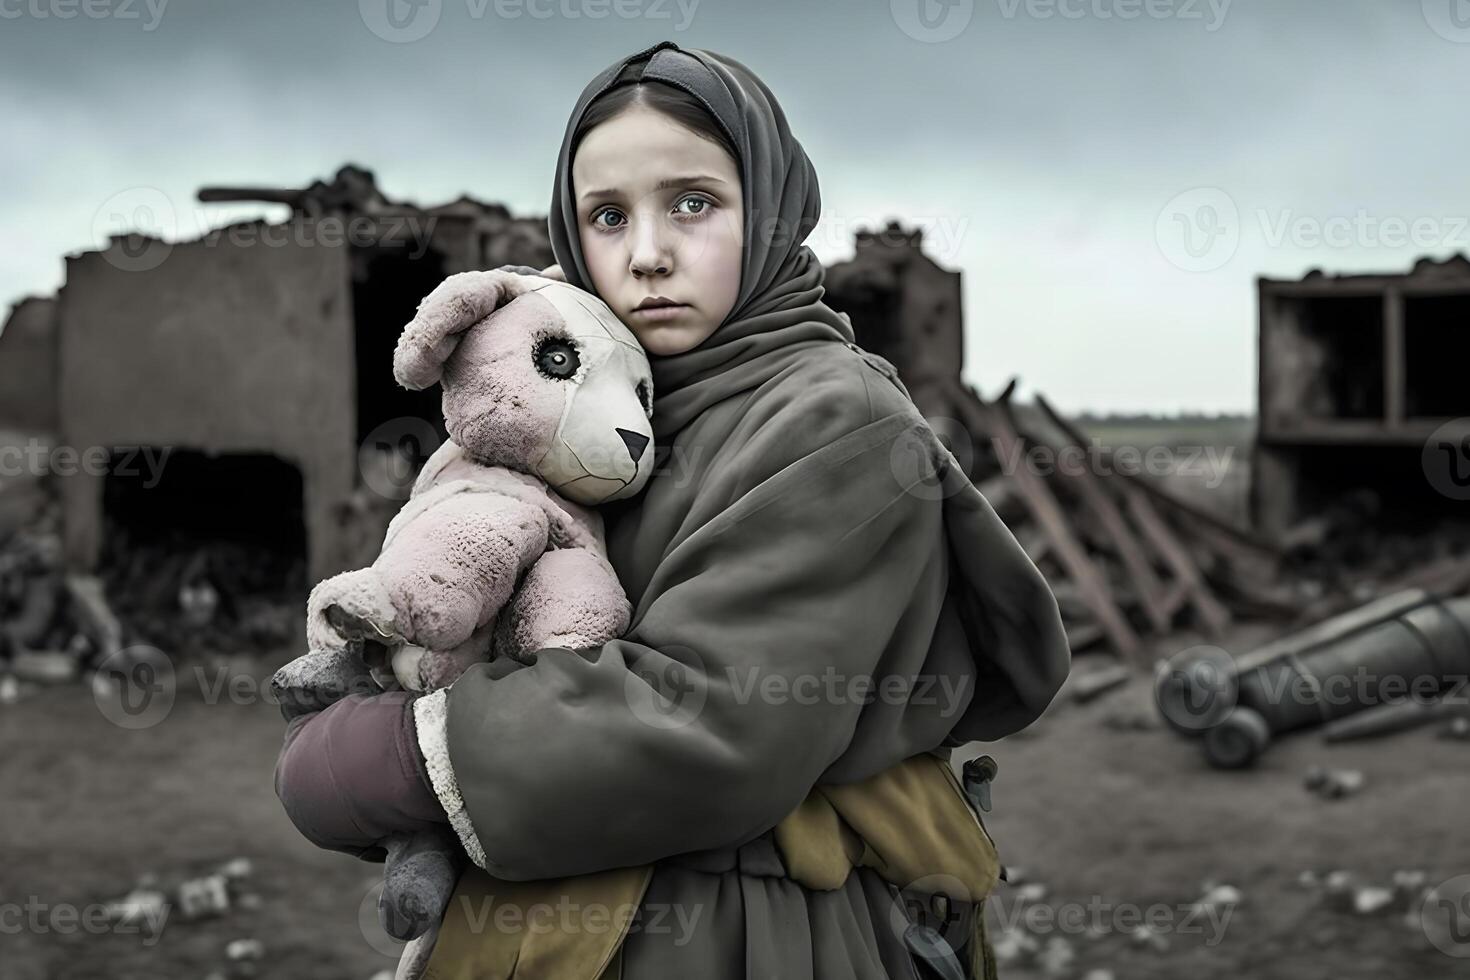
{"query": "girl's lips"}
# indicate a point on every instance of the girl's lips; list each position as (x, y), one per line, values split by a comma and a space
(660, 312)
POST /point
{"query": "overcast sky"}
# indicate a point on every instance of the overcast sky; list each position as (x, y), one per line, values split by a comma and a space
(1057, 151)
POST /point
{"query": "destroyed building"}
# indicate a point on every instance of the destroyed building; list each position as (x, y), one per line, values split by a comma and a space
(1356, 374)
(258, 358)
(258, 355)
(906, 308)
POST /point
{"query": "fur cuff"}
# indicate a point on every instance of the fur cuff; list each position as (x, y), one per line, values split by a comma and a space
(431, 716)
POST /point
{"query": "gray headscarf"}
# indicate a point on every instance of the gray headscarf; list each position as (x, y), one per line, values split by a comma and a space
(779, 308)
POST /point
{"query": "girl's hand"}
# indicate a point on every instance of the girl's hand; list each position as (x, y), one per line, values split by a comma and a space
(352, 774)
(553, 272)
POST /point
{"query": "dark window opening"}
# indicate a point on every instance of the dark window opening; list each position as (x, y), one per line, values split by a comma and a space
(1436, 348)
(1339, 357)
(388, 283)
(204, 551)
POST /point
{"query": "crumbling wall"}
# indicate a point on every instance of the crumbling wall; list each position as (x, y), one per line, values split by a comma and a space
(905, 308)
(226, 346)
(28, 367)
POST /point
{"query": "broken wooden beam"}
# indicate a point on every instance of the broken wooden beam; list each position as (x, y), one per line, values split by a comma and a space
(995, 420)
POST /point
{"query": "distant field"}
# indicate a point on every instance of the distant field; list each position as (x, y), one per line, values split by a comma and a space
(1229, 431)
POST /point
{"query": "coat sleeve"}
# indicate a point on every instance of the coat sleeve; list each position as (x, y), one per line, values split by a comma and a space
(741, 683)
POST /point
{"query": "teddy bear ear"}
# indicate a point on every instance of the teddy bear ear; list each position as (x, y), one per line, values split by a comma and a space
(454, 306)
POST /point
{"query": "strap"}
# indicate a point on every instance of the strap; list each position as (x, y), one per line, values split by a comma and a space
(983, 965)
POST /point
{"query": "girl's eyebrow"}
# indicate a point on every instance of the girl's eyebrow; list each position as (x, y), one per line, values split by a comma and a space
(667, 183)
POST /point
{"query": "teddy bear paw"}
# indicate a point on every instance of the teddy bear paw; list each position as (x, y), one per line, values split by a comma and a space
(353, 612)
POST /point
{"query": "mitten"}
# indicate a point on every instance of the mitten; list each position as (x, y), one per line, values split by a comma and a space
(351, 775)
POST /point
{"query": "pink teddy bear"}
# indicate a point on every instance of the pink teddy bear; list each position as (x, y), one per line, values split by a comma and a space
(548, 399)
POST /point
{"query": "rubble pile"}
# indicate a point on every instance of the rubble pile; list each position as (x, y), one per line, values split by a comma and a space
(209, 598)
(1127, 559)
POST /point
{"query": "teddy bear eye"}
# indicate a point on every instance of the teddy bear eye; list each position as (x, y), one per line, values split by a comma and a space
(643, 398)
(557, 359)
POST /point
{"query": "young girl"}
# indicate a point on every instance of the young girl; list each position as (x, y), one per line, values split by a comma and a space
(820, 594)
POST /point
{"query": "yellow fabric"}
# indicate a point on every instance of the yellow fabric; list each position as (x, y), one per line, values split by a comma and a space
(552, 929)
(818, 849)
(914, 827)
(911, 823)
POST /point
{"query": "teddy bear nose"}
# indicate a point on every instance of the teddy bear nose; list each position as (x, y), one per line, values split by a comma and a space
(636, 443)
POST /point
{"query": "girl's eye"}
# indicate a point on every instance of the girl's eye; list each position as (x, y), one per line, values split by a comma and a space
(695, 200)
(604, 213)
(697, 206)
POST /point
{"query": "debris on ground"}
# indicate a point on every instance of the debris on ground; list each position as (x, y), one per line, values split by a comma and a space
(245, 949)
(1333, 784)
(1457, 729)
(194, 600)
(1411, 643)
(1217, 896)
(1150, 937)
(1056, 957)
(196, 897)
(1349, 893)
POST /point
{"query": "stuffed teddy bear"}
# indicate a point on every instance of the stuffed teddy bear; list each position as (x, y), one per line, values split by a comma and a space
(548, 399)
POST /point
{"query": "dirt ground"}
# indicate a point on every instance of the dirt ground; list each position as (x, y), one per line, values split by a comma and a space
(1110, 821)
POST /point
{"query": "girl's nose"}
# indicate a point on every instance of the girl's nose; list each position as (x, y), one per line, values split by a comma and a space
(650, 254)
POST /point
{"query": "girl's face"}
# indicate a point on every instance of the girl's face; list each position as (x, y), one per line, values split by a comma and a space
(659, 214)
